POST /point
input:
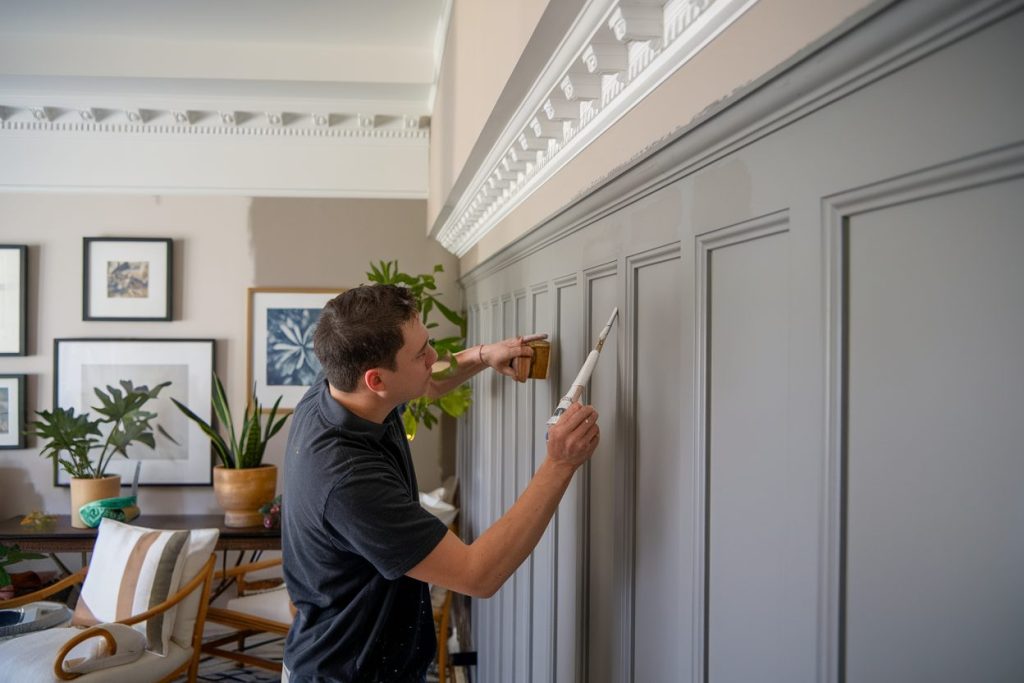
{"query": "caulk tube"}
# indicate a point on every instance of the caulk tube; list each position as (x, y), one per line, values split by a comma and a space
(576, 388)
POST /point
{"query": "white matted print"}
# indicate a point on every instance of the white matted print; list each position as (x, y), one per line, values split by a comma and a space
(127, 278)
(12, 411)
(13, 299)
(81, 365)
(281, 358)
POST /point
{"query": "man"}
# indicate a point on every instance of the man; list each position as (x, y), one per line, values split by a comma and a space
(359, 550)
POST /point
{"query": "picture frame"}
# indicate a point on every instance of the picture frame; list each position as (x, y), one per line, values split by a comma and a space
(279, 342)
(12, 411)
(80, 365)
(127, 278)
(13, 299)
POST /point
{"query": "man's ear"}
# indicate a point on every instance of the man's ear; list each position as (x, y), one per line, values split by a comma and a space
(373, 380)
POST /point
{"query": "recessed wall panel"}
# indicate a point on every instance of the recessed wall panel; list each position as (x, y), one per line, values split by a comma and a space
(661, 515)
(604, 532)
(935, 446)
(543, 557)
(761, 579)
(569, 519)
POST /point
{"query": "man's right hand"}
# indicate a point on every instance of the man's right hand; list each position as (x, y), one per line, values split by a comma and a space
(574, 438)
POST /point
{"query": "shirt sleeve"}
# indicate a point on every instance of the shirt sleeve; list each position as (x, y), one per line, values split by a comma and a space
(371, 513)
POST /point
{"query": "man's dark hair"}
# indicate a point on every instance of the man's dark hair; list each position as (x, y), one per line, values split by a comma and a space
(362, 329)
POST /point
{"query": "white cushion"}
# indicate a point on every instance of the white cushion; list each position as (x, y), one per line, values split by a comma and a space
(29, 659)
(272, 604)
(201, 543)
(132, 570)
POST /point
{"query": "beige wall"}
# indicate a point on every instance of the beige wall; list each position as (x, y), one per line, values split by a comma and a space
(769, 33)
(222, 246)
(485, 40)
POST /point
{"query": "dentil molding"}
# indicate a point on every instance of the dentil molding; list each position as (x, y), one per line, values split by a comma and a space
(618, 52)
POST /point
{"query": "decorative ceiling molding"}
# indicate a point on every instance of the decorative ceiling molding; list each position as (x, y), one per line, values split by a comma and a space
(596, 76)
(233, 122)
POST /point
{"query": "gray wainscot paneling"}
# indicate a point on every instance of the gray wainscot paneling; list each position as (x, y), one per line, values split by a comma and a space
(812, 404)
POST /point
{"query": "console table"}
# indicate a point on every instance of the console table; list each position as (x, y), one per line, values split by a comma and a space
(64, 538)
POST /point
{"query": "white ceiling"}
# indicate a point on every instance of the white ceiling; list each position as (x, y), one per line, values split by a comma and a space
(333, 54)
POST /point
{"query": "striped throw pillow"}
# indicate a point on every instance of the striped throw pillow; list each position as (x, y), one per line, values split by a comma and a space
(132, 570)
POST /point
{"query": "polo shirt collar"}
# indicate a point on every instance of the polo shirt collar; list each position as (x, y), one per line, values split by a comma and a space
(341, 417)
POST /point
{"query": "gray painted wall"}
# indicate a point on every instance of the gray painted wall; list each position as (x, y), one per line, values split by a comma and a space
(812, 403)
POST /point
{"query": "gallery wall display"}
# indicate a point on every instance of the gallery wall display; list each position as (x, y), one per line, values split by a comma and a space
(127, 278)
(13, 299)
(280, 341)
(82, 365)
(12, 411)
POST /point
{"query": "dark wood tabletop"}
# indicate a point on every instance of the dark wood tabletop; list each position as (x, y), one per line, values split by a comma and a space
(62, 537)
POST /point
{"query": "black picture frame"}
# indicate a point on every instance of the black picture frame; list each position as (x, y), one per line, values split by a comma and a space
(127, 278)
(12, 411)
(81, 364)
(13, 307)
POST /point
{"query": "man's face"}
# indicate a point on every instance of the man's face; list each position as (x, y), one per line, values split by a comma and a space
(413, 363)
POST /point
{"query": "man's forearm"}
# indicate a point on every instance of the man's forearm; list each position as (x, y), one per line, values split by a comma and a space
(468, 363)
(496, 554)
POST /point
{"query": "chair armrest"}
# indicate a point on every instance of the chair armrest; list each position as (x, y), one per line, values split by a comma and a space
(243, 569)
(203, 576)
(42, 593)
(58, 663)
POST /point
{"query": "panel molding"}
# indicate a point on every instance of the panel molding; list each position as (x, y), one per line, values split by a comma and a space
(840, 64)
(986, 168)
(590, 275)
(738, 233)
(634, 263)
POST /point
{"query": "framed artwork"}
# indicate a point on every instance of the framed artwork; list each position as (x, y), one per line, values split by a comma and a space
(81, 365)
(12, 411)
(125, 278)
(13, 298)
(280, 341)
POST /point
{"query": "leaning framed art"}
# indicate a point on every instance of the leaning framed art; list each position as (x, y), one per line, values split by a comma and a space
(126, 278)
(12, 411)
(13, 298)
(82, 365)
(280, 341)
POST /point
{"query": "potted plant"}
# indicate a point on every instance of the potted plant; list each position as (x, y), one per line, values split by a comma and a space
(70, 440)
(424, 410)
(241, 482)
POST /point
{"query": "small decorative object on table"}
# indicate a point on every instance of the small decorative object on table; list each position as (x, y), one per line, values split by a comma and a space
(39, 520)
(272, 513)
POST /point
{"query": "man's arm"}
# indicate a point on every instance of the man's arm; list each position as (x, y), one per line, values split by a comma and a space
(470, 361)
(480, 568)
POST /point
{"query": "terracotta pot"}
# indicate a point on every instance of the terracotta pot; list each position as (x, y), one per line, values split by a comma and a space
(242, 492)
(87, 490)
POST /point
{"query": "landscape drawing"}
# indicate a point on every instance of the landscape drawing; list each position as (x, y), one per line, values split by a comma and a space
(290, 358)
(128, 279)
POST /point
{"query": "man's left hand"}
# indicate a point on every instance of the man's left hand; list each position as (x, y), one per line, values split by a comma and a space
(500, 355)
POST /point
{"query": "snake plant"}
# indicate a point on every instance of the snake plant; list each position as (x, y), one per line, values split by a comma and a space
(243, 448)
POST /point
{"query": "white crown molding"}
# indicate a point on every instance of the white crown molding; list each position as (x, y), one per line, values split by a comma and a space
(616, 54)
(15, 117)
